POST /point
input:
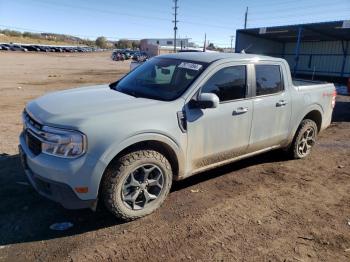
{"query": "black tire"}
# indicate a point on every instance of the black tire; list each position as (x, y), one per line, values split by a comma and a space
(295, 149)
(117, 175)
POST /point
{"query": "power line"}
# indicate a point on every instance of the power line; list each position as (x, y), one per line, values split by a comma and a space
(278, 3)
(130, 15)
(293, 12)
(263, 14)
(80, 36)
(209, 25)
(292, 22)
(101, 10)
(282, 12)
(265, 18)
(298, 19)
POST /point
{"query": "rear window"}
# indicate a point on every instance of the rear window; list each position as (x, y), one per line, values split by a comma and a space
(268, 79)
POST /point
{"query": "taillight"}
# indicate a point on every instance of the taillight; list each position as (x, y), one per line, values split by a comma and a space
(333, 98)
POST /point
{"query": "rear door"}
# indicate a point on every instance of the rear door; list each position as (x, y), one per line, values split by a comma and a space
(272, 107)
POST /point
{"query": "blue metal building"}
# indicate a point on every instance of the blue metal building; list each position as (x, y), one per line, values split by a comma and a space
(314, 51)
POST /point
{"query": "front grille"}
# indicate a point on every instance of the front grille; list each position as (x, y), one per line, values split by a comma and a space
(32, 127)
(34, 144)
(31, 121)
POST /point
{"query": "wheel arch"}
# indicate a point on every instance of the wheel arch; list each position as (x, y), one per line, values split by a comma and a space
(161, 143)
(316, 116)
(313, 112)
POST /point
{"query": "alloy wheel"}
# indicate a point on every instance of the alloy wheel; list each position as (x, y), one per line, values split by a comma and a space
(306, 141)
(142, 186)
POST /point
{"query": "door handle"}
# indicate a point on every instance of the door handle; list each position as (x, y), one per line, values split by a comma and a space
(240, 110)
(281, 103)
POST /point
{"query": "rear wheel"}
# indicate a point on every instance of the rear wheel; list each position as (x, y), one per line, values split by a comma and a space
(137, 184)
(304, 139)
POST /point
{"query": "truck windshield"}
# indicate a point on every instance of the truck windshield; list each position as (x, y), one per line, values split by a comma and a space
(160, 78)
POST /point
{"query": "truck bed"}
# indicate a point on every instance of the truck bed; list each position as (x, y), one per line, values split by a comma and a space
(305, 82)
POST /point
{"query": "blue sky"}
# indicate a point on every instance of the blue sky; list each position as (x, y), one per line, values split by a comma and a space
(136, 19)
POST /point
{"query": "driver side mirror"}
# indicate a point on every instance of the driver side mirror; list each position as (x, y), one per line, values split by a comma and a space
(207, 100)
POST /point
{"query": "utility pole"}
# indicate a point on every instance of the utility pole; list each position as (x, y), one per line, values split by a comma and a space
(205, 42)
(232, 36)
(246, 18)
(175, 22)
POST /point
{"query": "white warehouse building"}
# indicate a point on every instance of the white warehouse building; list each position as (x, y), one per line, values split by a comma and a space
(157, 46)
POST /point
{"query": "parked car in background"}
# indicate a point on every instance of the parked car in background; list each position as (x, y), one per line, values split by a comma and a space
(56, 49)
(68, 49)
(172, 117)
(4, 47)
(41, 48)
(138, 59)
(19, 48)
(15, 47)
(140, 56)
(123, 54)
(32, 48)
(46, 48)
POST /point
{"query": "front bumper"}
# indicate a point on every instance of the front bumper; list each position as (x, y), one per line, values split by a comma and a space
(56, 178)
(55, 191)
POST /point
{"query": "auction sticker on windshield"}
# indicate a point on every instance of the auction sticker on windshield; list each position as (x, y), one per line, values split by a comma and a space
(191, 66)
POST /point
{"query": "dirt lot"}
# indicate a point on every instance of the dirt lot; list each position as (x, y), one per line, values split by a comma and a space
(267, 208)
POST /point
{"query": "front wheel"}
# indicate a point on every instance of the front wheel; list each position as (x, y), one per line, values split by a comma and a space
(137, 184)
(304, 139)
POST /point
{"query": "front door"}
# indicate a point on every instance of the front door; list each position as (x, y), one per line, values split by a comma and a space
(222, 133)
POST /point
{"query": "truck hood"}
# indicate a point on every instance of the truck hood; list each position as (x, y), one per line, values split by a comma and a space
(69, 107)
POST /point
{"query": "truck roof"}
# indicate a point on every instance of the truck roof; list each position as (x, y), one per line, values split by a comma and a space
(211, 57)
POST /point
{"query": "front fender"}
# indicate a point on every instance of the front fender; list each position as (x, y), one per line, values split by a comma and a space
(115, 148)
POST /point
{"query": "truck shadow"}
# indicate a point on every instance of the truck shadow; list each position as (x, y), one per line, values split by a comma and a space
(341, 111)
(25, 216)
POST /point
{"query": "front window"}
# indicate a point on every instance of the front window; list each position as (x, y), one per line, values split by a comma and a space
(229, 83)
(160, 78)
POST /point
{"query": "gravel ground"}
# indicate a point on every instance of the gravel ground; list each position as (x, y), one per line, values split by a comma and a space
(266, 208)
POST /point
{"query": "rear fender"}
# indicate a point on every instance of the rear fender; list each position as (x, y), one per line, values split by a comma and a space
(300, 118)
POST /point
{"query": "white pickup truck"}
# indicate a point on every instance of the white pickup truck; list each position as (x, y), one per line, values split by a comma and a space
(174, 116)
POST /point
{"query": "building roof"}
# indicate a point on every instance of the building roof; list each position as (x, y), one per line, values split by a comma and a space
(206, 57)
(170, 38)
(325, 31)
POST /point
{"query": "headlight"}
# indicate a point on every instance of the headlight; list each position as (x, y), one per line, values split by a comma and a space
(62, 143)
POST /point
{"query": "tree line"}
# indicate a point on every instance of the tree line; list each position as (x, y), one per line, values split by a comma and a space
(102, 42)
